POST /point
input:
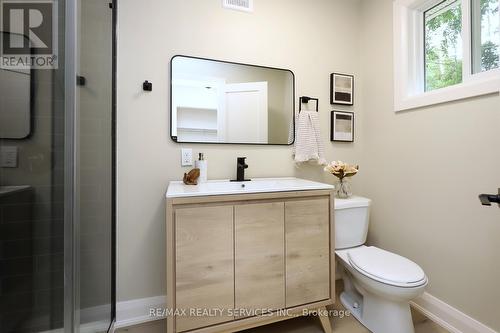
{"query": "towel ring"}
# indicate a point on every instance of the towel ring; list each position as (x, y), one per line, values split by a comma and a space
(305, 100)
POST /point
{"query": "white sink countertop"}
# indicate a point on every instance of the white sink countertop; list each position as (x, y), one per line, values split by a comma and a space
(4, 190)
(177, 189)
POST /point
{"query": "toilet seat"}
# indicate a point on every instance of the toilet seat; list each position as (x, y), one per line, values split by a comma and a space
(386, 267)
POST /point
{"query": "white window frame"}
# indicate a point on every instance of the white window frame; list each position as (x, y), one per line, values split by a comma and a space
(408, 31)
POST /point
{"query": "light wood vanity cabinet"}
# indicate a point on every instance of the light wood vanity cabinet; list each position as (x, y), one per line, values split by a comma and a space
(248, 253)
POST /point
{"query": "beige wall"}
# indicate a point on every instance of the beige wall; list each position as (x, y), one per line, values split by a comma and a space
(424, 169)
(311, 40)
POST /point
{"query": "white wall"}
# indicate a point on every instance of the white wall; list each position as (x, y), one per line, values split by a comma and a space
(312, 39)
(424, 169)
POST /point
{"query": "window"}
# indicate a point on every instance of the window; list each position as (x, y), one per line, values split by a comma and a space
(445, 50)
(485, 35)
(443, 45)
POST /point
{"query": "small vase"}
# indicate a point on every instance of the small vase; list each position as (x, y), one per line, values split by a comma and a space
(343, 189)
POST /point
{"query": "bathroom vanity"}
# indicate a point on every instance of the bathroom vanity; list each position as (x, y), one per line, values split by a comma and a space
(245, 254)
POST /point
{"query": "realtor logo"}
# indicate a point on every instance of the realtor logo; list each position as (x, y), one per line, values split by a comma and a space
(29, 34)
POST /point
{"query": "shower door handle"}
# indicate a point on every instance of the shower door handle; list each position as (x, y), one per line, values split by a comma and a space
(488, 199)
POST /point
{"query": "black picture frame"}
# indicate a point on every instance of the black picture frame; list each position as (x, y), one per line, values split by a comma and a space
(335, 135)
(341, 97)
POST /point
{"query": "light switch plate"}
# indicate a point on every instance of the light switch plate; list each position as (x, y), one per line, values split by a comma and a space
(186, 156)
(8, 157)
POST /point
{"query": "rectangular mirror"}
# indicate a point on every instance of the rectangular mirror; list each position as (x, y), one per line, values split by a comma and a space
(15, 100)
(224, 102)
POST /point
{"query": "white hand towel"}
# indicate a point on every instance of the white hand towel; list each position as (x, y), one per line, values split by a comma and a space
(308, 144)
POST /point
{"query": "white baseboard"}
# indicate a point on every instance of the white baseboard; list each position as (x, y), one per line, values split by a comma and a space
(447, 316)
(85, 328)
(137, 311)
(92, 319)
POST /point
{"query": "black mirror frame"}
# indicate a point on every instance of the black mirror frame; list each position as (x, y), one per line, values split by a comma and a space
(174, 138)
(31, 101)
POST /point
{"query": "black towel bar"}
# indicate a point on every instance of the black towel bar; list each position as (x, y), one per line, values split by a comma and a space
(305, 100)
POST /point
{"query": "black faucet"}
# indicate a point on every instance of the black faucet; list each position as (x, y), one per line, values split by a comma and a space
(240, 170)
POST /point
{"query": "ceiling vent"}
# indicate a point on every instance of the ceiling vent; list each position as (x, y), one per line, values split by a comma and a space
(243, 5)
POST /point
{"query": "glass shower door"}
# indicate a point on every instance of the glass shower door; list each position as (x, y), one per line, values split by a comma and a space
(32, 181)
(94, 161)
(57, 171)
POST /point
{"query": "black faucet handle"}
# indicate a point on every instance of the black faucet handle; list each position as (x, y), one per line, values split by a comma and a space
(241, 161)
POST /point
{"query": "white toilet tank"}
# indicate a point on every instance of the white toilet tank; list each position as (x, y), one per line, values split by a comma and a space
(351, 221)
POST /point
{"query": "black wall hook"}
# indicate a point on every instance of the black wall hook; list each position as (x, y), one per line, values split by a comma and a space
(81, 80)
(147, 86)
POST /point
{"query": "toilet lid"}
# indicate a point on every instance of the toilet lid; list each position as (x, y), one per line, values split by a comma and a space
(386, 267)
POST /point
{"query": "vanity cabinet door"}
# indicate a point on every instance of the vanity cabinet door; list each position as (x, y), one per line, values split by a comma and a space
(204, 264)
(259, 257)
(307, 230)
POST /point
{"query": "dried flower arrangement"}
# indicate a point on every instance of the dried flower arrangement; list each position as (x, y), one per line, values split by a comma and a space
(342, 170)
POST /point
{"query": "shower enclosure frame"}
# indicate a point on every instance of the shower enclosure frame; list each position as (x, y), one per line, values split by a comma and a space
(71, 195)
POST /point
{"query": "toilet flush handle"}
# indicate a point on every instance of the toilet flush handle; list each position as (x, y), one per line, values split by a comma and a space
(487, 199)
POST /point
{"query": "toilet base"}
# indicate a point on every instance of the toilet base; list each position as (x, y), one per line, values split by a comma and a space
(377, 314)
(354, 304)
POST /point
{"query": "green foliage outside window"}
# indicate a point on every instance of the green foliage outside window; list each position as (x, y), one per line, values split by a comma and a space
(443, 61)
(489, 56)
(443, 58)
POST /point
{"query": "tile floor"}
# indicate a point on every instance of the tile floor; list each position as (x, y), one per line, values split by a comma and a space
(347, 324)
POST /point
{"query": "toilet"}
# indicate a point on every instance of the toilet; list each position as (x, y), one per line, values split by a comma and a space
(378, 284)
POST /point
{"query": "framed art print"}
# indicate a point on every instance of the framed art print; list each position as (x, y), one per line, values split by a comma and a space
(341, 89)
(342, 126)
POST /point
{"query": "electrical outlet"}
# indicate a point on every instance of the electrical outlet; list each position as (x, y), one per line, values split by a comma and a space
(186, 156)
(8, 157)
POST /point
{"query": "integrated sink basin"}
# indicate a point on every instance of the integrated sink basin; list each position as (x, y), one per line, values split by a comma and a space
(177, 189)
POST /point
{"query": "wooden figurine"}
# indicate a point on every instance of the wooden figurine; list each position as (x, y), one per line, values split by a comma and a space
(191, 178)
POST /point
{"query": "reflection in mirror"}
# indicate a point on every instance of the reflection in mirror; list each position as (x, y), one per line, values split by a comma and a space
(222, 102)
(15, 101)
